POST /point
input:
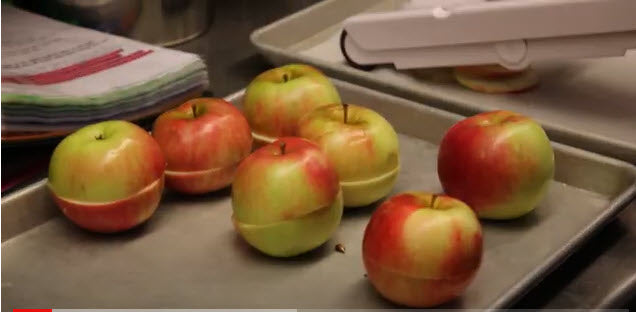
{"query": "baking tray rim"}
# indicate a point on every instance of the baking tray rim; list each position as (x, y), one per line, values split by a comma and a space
(530, 280)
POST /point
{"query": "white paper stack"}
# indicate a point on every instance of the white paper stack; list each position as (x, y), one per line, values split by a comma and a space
(56, 76)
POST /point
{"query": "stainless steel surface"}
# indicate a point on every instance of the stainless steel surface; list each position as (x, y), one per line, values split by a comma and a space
(583, 103)
(26, 209)
(113, 16)
(188, 255)
(161, 22)
(171, 22)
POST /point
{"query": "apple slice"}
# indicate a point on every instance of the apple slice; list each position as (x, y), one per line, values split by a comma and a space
(498, 83)
(488, 71)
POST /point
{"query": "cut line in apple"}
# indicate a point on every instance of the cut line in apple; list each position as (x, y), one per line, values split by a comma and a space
(89, 204)
(262, 139)
(317, 227)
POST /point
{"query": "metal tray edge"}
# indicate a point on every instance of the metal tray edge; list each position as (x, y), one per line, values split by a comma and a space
(619, 297)
(533, 278)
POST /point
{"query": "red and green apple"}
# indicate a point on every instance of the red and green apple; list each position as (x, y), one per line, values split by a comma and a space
(422, 249)
(286, 199)
(203, 140)
(276, 99)
(107, 177)
(361, 144)
(500, 163)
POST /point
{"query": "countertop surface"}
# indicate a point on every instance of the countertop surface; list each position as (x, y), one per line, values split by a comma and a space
(599, 275)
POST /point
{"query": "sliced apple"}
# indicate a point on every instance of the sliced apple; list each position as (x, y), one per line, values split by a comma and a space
(116, 215)
(291, 237)
(203, 181)
(365, 192)
(417, 291)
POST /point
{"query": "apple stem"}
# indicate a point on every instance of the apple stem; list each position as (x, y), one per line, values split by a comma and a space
(285, 77)
(345, 110)
(99, 137)
(433, 199)
(282, 148)
(197, 110)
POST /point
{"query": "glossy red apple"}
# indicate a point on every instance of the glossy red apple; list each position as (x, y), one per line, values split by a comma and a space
(421, 249)
(286, 198)
(276, 99)
(107, 177)
(203, 141)
(499, 163)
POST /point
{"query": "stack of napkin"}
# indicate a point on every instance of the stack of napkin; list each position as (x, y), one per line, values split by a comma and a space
(59, 77)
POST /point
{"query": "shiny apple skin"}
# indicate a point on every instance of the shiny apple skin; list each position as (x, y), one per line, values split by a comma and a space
(500, 163)
(286, 201)
(203, 140)
(364, 150)
(276, 99)
(422, 250)
(107, 177)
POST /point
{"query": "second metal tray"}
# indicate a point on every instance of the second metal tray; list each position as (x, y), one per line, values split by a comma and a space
(590, 104)
(188, 255)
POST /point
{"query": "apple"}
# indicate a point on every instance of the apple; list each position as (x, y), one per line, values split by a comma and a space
(500, 163)
(276, 99)
(203, 141)
(361, 144)
(286, 199)
(422, 249)
(107, 177)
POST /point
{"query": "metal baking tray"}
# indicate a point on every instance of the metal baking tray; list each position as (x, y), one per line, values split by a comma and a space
(188, 255)
(590, 104)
